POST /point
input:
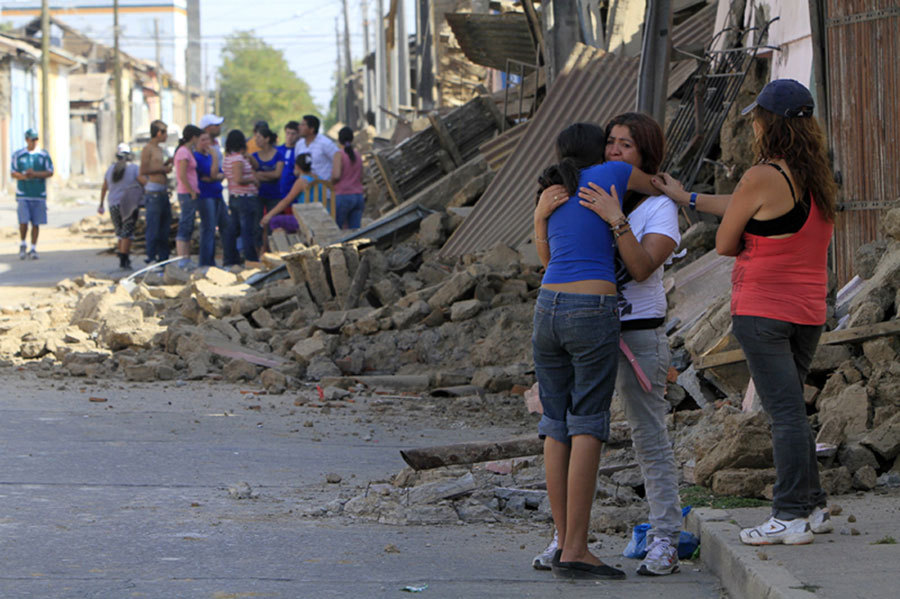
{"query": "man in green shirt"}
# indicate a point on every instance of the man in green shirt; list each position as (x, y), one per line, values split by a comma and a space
(31, 167)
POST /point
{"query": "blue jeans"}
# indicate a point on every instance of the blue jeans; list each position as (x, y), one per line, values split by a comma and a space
(576, 344)
(214, 213)
(779, 354)
(244, 219)
(349, 210)
(158, 217)
(186, 220)
(261, 203)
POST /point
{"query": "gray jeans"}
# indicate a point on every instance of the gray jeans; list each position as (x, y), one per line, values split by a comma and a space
(779, 354)
(646, 413)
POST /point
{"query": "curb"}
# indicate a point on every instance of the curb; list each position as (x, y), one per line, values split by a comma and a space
(738, 566)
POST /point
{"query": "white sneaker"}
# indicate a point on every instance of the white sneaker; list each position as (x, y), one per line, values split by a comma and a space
(774, 531)
(545, 559)
(661, 560)
(820, 521)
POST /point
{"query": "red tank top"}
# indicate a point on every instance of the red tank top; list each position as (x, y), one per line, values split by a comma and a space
(784, 279)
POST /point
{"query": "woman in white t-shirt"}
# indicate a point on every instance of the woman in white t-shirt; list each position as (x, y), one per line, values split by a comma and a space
(643, 245)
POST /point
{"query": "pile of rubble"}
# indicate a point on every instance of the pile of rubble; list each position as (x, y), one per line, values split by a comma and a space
(349, 316)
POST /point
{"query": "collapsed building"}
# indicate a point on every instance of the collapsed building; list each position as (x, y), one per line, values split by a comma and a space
(434, 298)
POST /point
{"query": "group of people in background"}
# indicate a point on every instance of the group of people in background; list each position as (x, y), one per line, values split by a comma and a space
(263, 181)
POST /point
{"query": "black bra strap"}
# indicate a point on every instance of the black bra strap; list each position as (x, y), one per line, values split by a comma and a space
(786, 178)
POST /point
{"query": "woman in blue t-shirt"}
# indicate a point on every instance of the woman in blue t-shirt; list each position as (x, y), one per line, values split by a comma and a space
(576, 335)
(268, 162)
(212, 209)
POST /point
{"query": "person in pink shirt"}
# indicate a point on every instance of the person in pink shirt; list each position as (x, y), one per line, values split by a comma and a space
(346, 176)
(188, 187)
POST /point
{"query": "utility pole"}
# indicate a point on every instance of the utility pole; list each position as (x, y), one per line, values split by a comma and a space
(367, 82)
(158, 67)
(561, 33)
(350, 93)
(653, 76)
(205, 78)
(380, 68)
(339, 77)
(45, 74)
(424, 56)
(401, 43)
(117, 76)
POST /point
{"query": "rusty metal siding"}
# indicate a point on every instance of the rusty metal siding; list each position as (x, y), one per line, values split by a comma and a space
(863, 45)
(594, 93)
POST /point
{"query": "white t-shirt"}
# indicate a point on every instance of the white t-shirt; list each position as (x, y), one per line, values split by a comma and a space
(647, 299)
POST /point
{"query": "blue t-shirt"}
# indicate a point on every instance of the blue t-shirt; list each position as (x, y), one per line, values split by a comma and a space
(270, 189)
(204, 165)
(287, 175)
(581, 243)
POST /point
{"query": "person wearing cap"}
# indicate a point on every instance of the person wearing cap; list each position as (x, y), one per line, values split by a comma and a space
(778, 223)
(31, 168)
(211, 203)
(124, 184)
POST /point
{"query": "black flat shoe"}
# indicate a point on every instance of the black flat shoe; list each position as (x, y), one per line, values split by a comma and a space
(585, 571)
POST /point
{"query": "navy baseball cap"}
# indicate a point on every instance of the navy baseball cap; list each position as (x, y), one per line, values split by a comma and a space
(784, 97)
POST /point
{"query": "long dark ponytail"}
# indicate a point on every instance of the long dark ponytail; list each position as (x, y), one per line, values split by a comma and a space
(345, 138)
(189, 133)
(578, 146)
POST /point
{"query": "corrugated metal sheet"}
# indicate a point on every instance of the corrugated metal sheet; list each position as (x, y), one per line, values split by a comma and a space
(594, 93)
(489, 40)
(695, 33)
(863, 44)
(498, 150)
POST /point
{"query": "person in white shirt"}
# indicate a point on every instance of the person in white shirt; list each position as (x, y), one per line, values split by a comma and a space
(320, 148)
(646, 236)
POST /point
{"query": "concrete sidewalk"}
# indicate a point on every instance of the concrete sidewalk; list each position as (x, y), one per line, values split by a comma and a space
(856, 560)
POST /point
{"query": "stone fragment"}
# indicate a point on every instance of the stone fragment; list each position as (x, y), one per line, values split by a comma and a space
(452, 290)
(854, 456)
(432, 229)
(466, 309)
(501, 258)
(829, 357)
(263, 318)
(865, 478)
(699, 236)
(239, 370)
(890, 223)
(320, 367)
(746, 443)
(742, 482)
(472, 190)
(883, 349)
(273, 381)
(410, 316)
(836, 481)
(333, 478)
(843, 415)
(306, 349)
(140, 373)
(175, 275)
(866, 313)
(340, 273)
(885, 440)
(220, 277)
(216, 300)
(867, 256)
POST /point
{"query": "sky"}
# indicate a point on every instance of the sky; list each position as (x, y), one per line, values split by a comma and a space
(304, 30)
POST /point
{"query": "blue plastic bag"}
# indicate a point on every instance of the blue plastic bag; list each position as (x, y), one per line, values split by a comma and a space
(637, 546)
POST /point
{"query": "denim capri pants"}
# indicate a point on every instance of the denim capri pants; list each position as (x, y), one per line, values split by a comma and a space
(186, 220)
(576, 344)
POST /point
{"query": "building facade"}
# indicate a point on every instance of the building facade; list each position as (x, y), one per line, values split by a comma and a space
(164, 30)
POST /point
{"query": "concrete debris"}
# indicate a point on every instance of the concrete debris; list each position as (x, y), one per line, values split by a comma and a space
(398, 319)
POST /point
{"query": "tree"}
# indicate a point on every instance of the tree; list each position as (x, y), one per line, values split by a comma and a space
(256, 83)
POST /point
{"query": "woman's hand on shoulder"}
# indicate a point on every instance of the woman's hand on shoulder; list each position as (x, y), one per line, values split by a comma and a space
(551, 198)
(606, 206)
(672, 187)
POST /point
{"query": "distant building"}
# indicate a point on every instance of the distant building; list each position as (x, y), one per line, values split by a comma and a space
(169, 27)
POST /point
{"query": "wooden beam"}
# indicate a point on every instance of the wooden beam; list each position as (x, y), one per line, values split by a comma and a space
(469, 453)
(854, 335)
(444, 138)
(388, 176)
(491, 107)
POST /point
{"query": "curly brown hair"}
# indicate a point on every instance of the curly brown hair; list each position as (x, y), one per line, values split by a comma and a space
(801, 143)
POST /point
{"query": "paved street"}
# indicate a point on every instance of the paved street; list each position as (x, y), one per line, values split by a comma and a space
(129, 498)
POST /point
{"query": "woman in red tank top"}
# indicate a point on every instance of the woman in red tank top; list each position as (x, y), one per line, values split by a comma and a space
(778, 223)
